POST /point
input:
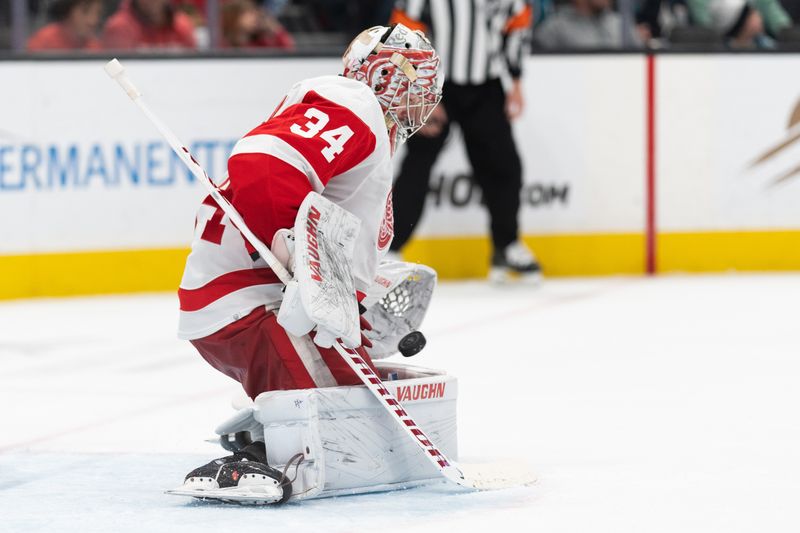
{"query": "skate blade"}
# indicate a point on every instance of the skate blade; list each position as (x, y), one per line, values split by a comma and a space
(261, 495)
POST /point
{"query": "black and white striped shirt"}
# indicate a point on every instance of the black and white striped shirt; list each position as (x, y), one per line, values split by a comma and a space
(476, 39)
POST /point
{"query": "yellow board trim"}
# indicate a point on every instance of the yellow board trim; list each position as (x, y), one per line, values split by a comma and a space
(560, 255)
(728, 250)
(70, 274)
(108, 272)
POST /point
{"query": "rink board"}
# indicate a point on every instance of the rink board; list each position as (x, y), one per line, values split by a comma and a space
(93, 201)
(728, 162)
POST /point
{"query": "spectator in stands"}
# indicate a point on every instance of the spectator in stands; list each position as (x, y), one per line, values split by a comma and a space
(374, 12)
(655, 19)
(739, 23)
(792, 10)
(274, 6)
(774, 17)
(148, 24)
(584, 24)
(245, 25)
(345, 16)
(194, 9)
(74, 27)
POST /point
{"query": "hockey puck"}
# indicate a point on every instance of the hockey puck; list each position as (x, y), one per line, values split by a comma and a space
(411, 344)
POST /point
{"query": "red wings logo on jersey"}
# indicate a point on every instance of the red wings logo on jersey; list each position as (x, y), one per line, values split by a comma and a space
(386, 232)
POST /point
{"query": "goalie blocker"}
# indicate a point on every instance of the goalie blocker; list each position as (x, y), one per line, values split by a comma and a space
(321, 295)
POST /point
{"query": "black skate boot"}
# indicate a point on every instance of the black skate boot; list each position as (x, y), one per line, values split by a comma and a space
(515, 262)
(244, 477)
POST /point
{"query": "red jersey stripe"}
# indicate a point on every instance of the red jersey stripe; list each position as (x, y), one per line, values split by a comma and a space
(196, 299)
(266, 191)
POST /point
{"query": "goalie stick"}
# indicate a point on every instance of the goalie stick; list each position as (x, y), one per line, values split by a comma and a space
(480, 479)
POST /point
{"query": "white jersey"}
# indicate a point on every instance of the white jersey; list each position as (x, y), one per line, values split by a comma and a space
(328, 135)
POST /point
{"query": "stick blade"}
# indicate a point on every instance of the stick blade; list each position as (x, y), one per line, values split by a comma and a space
(497, 475)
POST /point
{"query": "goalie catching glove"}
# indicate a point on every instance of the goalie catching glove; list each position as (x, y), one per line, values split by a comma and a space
(396, 304)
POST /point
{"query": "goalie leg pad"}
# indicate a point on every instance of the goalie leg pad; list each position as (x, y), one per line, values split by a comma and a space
(364, 449)
(348, 441)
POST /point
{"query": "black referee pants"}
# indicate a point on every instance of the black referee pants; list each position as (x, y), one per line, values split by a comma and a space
(480, 112)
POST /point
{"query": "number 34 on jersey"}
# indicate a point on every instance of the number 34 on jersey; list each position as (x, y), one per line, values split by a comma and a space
(318, 121)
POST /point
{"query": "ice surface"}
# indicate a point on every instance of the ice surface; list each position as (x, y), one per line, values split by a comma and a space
(645, 405)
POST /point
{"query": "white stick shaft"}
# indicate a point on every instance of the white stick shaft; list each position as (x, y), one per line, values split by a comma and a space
(117, 72)
(356, 363)
(431, 452)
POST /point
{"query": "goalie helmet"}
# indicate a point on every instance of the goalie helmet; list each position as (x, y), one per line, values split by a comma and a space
(402, 69)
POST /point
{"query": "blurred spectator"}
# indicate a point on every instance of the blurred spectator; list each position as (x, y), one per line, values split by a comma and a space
(374, 12)
(792, 8)
(245, 25)
(195, 9)
(274, 6)
(584, 24)
(148, 24)
(330, 15)
(346, 16)
(542, 9)
(739, 23)
(655, 19)
(74, 27)
(774, 16)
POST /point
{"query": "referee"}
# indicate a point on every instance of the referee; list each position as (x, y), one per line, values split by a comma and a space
(477, 40)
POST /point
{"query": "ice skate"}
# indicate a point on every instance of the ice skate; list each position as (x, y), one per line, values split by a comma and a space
(244, 477)
(515, 263)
